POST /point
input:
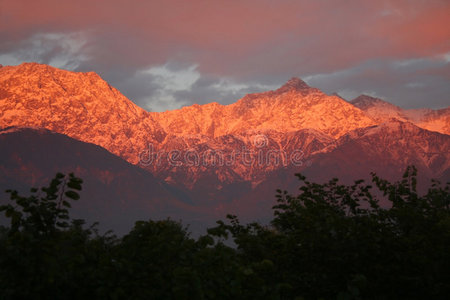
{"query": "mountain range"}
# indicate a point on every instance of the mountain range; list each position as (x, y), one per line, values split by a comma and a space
(200, 162)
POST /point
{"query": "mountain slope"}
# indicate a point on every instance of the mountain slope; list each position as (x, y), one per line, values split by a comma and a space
(381, 111)
(292, 107)
(386, 149)
(80, 105)
(209, 165)
(115, 192)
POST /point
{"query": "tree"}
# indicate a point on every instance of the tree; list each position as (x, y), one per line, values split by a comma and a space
(153, 262)
(329, 241)
(333, 240)
(44, 254)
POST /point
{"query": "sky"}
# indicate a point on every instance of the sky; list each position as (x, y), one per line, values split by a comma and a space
(167, 54)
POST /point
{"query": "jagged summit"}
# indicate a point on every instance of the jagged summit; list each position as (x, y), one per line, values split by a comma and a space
(80, 105)
(365, 101)
(293, 84)
(33, 66)
(36, 68)
(382, 111)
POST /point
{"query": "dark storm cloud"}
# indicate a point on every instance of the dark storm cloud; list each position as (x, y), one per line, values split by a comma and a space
(209, 89)
(421, 82)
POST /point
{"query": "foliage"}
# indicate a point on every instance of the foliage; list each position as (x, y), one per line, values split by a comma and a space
(44, 253)
(337, 241)
(331, 241)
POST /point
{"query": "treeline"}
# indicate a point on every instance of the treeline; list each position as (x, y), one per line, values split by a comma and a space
(331, 241)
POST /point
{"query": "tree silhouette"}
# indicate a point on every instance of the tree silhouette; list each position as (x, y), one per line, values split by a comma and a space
(329, 241)
(333, 240)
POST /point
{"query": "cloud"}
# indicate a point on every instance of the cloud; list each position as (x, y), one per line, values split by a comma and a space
(56, 49)
(172, 86)
(415, 83)
(165, 81)
(214, 89)
(235, 46)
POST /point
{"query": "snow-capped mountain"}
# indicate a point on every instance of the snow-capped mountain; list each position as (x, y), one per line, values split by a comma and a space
(216, 155)
(382, 111)
(292, 107)
(80, 105)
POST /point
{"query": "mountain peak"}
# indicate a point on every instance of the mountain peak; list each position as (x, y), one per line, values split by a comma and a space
(365, 102)
(80, 105)
(34, 66)
(294, 84)
(38, 68)
(366, 99)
